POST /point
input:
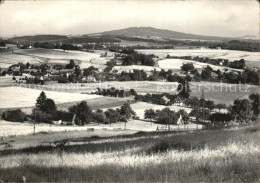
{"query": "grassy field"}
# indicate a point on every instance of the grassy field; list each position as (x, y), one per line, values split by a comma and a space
(218, 92)
(223, 92)
(66, 95)
(132, 67)
(57, 54)
(210, 53)
(51, 56)
(227, 155)
(177, 63)
(13, 97)
(17, 129)
(8, 58)
(140, 107)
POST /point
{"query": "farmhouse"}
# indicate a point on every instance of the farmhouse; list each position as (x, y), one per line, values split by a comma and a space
(178, 100)
(89, 79)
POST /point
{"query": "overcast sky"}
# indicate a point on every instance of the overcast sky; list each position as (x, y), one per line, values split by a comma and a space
(216, 18)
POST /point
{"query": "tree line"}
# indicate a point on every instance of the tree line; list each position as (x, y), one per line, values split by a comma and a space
(45, 111)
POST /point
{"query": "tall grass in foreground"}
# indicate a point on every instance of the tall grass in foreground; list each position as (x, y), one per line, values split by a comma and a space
(207, 156)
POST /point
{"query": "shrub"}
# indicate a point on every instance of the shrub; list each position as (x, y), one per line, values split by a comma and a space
(220, 117)
(42, 117)
(63, 80)
(181, 145)
(64, 116)
(14, 115)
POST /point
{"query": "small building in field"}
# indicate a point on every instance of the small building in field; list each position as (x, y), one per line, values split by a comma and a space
(166, 99)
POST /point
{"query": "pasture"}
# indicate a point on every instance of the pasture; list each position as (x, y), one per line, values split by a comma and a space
(177, 63)
(50, 56)
(227, 155)
(18, 129)
(58, 54)
(140, 107)
(66, 95)
(8, 58)
(130, 68)
(97, 103)
(19, 97)
(218, 92)
(7, 80)
(231, 55)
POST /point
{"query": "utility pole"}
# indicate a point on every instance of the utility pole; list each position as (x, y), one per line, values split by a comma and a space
(168, 119)
(34, 121)
(203, 105)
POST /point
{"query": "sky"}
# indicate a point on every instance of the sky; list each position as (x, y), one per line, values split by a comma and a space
(215, 18)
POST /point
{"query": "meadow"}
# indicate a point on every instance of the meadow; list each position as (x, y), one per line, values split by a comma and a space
(130, 68)
(57, 54)
(231, 55)
(8, 58)
(177, 63)
(16, 129)
(218, 92)
(226, 155)
(15, 97)
(50, 56)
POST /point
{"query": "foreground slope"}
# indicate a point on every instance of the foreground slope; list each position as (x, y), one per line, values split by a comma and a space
(229, 155)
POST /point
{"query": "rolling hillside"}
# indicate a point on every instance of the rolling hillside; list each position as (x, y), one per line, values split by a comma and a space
(132, 34)
(39, 38)
(153, 33)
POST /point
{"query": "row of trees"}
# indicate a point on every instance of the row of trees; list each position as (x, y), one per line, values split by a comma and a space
(242, 110)
(237, 64)
(46, 111)
(166, 116)
(247, 76)
(195, 102)
(156, 98)
(245, 110)
(84, 114)
(134, 58)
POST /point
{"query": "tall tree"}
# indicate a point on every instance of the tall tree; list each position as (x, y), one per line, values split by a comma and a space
(40, 101)
(83, 113)
(254, 97)
(183, 88)
(112, 115)
(149, 114)
(167, 117)
(49, 106)
(242, 110)
(187, 67)
(126, 110)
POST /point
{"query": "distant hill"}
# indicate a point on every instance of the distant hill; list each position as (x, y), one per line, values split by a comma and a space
(146, 34)
(39, 38)
(153, 33)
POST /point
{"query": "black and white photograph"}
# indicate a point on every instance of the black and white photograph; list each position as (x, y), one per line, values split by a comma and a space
(129, 91)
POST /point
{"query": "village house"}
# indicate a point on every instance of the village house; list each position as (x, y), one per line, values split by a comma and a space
(178, 101)
(89, 79)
